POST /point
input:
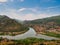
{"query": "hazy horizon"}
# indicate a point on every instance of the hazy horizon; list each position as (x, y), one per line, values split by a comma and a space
(29, 9)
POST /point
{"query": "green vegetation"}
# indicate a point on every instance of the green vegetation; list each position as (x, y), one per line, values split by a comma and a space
(55, 19)
(29, 41)
(50, 26)
(48, 23)
(52, 34)
(10, 25)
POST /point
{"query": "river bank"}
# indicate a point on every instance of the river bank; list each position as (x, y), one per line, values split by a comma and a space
(30, 33)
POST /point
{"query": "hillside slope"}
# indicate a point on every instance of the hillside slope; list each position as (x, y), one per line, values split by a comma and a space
(49, 23)
(45, 20)
(48, 26)
(10, 25)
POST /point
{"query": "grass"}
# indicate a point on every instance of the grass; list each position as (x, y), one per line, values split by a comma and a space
(11, 33)
(52, 34)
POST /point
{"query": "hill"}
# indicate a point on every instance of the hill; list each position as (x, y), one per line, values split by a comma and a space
(47, 22)
(10, 25)
(55, 19)
(49, 26)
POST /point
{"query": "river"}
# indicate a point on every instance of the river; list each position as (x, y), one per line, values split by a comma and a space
(30, 33)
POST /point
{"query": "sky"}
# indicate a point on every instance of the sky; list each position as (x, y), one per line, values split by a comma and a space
(29, 9)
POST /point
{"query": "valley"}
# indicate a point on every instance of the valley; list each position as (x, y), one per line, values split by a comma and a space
(46, 26)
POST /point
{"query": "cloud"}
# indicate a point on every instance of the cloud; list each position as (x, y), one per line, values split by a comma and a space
(52, 8)
(45, 0)
(1, 1)
(21, 0)
(11, 0)
(31, 16)
(48, 0)
(13, 13)
(29, 9)
(33, 9)
(22, 9)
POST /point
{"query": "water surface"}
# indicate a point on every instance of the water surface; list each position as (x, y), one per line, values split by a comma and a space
(30, 33)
